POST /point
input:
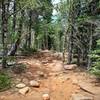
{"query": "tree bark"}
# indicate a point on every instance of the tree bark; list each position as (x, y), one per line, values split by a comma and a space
(30, 28)
(70, 45)
(78, 57)
(4, 32)
(90, 47)
(14, 17)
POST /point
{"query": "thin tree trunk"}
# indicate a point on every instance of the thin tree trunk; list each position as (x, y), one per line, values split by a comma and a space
(46, 39)
(30, 28)
(65, 48)
(4, 32)
(14, 17)
(90, 47)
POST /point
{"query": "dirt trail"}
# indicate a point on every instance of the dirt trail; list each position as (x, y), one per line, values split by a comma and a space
(60, 84)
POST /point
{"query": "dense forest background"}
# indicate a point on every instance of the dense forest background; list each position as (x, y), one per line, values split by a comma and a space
(27, 26)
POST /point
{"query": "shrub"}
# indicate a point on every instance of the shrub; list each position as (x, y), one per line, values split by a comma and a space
(95, 57)
(28, 51)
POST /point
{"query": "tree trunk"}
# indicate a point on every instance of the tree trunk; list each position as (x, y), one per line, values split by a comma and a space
(65, 48)
(4, 32)
(30, 28)
(78, 57)
(70, 46)
(16, 44)
(46, 39)
(90, 47)
(14, 17)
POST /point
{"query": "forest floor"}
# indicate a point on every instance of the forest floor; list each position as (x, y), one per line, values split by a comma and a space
(47, 68)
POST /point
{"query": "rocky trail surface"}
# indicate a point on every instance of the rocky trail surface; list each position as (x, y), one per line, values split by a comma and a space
(47, 79)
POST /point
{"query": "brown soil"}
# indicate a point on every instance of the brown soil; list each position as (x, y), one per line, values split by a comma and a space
(60, 84)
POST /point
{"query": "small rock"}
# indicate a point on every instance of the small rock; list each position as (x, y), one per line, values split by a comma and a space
(53, 74)
(46, 97)
(45, 61)
(29, 73)
(34, 83)
(24, 90)
(40, 73)
(70, 67)
(25, 81)
(21, 85)
(75, 81)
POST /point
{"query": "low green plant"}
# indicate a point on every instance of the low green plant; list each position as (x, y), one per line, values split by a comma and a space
(5, 82)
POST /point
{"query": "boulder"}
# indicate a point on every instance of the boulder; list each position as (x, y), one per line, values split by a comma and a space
(81, 97)
(21, 85)
(24, 90)
(70, 67)
(34, 83)
(46, 97)
(11, 63)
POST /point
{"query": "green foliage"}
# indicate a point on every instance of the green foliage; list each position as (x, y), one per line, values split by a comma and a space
(96, 69)
(5, 81)
(95, 56)
(28, 4)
